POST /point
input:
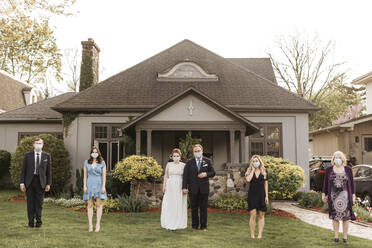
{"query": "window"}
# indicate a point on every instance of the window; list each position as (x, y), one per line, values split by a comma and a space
(368, 144)
(106, 137)
(21, 135)
(268, 141)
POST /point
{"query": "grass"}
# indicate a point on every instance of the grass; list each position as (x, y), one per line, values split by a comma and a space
(67, 228)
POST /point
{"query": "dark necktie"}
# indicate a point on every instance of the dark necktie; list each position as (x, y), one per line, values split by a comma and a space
(198, 164)
(37, 163)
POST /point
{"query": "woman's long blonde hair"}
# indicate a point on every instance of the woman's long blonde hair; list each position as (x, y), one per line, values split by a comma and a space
(341, 155)
(262, 166)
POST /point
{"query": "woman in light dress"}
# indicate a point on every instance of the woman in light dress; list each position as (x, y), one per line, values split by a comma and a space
(94, 185)
(174, 206)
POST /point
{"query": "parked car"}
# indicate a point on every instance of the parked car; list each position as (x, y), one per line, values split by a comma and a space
(363, 181)
(318, 166)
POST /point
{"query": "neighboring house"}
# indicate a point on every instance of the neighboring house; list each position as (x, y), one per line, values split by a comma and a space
(31, 120)
(353, 137)
(234, 105)
(14, 94)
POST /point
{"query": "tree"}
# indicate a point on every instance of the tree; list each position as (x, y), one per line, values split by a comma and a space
(42, 7)
(28, 49)
(72, 61)
(336, 101)
(305, 66)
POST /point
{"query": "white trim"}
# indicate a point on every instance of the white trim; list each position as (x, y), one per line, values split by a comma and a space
(170, 75)
(366, 78)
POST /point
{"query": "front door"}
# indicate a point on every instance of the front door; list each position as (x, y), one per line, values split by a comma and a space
(367, 149)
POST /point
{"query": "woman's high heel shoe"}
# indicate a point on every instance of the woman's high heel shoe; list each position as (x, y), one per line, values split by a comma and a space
(90, 228)
(97, 228)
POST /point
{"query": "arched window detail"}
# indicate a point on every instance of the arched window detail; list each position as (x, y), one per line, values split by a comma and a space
(186, 71)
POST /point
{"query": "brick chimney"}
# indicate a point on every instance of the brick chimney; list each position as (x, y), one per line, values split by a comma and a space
(89, 64)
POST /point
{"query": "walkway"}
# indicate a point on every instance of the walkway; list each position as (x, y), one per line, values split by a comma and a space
(322, 219)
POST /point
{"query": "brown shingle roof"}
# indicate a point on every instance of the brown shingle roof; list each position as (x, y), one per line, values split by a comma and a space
(260, 66)
(40, 111)
(11, 93)
(138, 87)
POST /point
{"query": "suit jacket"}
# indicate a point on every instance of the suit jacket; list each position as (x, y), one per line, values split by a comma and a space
(28, 168)
(192, 182)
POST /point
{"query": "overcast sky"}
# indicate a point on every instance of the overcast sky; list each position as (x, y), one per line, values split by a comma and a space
(130, 31)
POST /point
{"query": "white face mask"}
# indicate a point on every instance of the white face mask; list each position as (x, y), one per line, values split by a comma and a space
(38, 147)
(338, 161)
(176, 159)
(94, 155)
(256, 164)
(197, 154)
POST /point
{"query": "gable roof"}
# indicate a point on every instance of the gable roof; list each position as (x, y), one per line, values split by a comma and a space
(346, 124)
(37, 112)
(137, 88)
(11, 93)
(251, 127)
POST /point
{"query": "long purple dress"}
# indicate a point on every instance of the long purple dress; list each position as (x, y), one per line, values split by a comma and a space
(340, 189)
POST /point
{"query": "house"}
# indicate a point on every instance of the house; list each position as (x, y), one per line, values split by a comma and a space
(353, 137)
(31, 120)
(15, 94)
(233, 104)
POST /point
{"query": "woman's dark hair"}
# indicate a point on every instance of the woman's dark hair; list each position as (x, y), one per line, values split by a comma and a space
(99, 158)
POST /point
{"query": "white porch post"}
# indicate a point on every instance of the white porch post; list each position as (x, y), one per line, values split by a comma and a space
(242, 146)
(148, 131)
(232, 142)
(138, 141)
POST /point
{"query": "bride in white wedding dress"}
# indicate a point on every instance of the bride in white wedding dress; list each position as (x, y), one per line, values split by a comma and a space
(174, 206)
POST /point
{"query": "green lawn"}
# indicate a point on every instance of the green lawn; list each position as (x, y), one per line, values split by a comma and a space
(67, 228)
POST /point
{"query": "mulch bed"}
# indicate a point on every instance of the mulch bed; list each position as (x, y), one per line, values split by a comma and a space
(18, 198)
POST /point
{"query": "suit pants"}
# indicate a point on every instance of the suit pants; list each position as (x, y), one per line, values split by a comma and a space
(35, 197)
(197, 201)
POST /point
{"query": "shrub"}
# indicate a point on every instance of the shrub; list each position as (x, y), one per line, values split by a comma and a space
(129, 204)
(110, 205)
(230, 202)
(5, 157)
(186, 146)
(298, 195)
(285, 178)
(61, 167)
(311, 199)
(79, 182)
(137, 168)
(115, 187)
(325, 207)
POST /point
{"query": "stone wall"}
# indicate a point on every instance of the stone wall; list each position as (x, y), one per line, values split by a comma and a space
(231, 181)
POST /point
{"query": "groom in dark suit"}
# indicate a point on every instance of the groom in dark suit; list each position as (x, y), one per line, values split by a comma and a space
(195, 182)
(36, 178)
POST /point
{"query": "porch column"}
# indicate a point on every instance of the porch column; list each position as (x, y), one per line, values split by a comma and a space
(232, 142)
(148, 132)
(138, 141)
(242, 146)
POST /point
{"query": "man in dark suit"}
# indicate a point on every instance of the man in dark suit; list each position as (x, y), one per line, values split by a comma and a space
(195, 182)
(36, 178)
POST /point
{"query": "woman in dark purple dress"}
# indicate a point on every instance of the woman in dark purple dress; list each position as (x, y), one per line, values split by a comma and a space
(338, 185)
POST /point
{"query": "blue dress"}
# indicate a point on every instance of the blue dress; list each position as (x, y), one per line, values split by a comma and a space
(94, 181)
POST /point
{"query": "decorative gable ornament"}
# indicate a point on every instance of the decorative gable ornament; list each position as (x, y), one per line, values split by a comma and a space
(187, 72)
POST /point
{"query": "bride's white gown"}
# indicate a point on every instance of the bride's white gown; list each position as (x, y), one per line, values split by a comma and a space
(174, 206)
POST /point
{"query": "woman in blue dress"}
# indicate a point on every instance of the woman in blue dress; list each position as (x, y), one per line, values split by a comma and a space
(94, 185)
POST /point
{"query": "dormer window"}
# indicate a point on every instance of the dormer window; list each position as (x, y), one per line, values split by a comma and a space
(187, 72)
